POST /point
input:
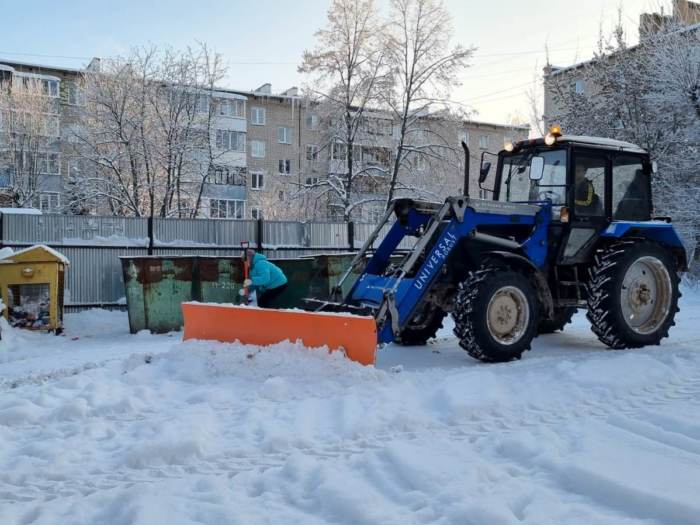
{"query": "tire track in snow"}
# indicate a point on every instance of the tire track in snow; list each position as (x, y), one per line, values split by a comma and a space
(625, 405)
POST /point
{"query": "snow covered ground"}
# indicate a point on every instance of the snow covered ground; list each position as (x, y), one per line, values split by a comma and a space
(102, 427)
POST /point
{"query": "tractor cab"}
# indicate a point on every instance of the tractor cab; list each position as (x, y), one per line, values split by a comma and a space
(591, 182)
(585, 178)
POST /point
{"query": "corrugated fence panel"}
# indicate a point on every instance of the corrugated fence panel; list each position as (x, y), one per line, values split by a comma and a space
(95, 275)
(327, 234)
(284, 233)
(362, 233)
(72, 230)
(188, 233)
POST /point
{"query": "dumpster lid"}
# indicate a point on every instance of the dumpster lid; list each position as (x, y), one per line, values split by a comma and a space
(8, 256)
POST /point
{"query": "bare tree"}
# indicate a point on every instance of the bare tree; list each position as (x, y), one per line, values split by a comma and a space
(424, 69)
(29, 131)
(348, 66)
(147, 132)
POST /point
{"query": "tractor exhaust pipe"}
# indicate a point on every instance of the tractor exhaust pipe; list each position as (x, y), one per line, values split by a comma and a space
(466, 168)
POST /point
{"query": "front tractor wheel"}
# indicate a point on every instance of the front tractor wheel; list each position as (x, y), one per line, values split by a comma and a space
(632, 294)
(496, 314)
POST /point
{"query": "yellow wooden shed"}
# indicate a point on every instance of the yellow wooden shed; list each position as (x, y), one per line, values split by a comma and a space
(32, 282)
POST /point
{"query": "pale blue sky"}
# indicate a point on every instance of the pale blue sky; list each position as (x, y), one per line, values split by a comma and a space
(262, 40)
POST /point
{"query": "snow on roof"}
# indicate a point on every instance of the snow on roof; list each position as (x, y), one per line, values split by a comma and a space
(41, 66)
(20, 211)
(599, 141)
(560, 70)
(51, 251)
(496, 125)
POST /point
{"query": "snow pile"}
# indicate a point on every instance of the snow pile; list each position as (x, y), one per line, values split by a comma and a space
(159, 431)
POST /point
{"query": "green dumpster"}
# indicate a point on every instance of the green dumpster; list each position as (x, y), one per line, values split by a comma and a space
(220, 279)
(157, 285)
(327, 271)
(155, 288)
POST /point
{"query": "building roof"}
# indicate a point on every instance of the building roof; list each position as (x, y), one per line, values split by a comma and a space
(18, 63)
(523, 127)
(555, 70)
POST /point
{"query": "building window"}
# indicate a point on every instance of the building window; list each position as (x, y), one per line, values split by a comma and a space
(49, 163)
(284, 135)
(256, 213)
(376, 157)
(49, 202)
(257, 181)
(202, 104)
(280, 195)
(464, 137)
(232, 107)
(51, 126)
(226, 176)
(226, 209)
(483, 194)
(377, 126)
(311, 181)
(74, 168)
(257, 116)
(76, 94)
(484, 141)
(230, 140)
(50, 88)
(311, 121)
(579, 87)
(311, 152)
(419, 162)
(340, 151)
(257, 149)
(285, 166)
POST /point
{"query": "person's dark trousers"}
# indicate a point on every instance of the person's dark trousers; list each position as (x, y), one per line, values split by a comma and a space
(265, 298)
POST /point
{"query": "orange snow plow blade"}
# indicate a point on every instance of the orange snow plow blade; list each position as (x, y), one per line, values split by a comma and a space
(355, 335)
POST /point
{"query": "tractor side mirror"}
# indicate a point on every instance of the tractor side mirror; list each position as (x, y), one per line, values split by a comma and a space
(484, 172)
(536, 168)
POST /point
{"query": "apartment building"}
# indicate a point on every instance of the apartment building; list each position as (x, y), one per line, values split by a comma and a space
(270, 152)
(51, 161)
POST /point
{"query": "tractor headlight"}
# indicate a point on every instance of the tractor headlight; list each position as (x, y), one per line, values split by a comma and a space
(509, 146)
(550, 139)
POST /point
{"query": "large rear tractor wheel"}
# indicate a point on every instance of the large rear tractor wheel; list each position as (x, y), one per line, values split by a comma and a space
(496, 314)
(423, 326)
(562, 317)
(632, 294)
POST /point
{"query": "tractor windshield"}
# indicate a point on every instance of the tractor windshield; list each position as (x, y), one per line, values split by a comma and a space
(515, 182)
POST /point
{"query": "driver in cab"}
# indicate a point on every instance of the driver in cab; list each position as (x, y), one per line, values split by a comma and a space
(586, 199)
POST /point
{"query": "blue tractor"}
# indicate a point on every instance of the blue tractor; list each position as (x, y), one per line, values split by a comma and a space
(570, 226)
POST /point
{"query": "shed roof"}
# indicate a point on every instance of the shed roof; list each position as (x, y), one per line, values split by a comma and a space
(36, 253)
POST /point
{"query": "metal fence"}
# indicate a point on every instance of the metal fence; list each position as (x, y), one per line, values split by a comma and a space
(94, 244)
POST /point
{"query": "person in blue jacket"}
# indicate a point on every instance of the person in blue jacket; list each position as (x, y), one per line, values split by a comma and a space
(266, 278)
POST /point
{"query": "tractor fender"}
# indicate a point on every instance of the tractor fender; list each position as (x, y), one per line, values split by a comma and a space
(659, 231)
(544, 294)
